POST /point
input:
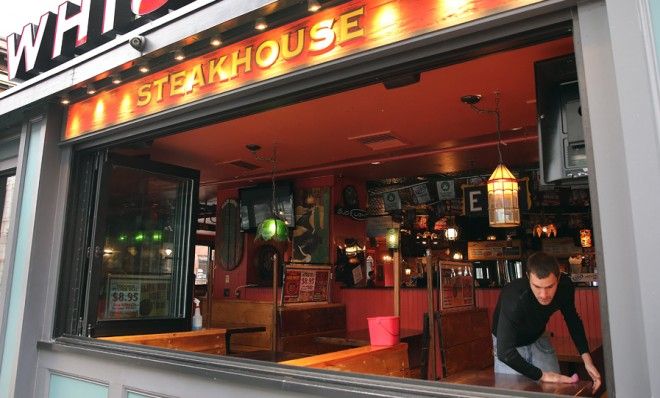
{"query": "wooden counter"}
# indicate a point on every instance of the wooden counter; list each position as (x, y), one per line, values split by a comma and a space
(210, 341)
(379, 360)
(488, 378)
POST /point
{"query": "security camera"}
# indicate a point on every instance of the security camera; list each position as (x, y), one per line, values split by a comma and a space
(138, 42)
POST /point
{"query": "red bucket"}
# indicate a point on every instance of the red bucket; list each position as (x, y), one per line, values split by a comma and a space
(384, 330)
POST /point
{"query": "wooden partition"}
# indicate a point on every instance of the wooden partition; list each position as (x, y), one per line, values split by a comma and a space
(299, 325)
(245, 312)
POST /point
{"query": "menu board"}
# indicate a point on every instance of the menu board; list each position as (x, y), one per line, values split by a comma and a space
(137, 296)
(560, 247)
(306, 284)
(456, 285)
(494, 250)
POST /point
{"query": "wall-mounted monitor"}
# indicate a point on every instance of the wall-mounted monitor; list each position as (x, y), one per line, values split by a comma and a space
(256, 203)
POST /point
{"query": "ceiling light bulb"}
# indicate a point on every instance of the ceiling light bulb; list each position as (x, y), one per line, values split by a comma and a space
(179, 55)
(144, 68)
(216, 41)
(116, 79)
(91, 89)
(313, 6)
(260, 24)
(65, 100)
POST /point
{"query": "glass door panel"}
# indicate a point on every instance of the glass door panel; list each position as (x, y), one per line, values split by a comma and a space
(142, 269)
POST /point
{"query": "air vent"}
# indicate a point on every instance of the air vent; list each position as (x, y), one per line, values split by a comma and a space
(377, 141)
(242, 164)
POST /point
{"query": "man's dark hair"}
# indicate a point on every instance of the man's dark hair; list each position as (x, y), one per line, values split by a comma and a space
(542, 265)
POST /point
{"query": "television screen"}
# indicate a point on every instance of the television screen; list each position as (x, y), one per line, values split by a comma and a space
(256, 204)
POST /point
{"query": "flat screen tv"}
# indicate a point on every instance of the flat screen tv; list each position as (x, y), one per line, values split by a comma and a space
(256, 201)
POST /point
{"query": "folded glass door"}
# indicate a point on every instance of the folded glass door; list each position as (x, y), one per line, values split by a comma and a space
(141, 277)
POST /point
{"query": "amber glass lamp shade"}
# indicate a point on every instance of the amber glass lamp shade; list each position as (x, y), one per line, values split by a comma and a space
(503, 210)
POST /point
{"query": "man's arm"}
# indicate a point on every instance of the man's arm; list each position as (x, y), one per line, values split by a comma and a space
(576, 329)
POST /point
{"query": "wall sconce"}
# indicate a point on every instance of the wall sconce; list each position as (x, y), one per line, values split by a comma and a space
(585, 238)
(407, 271)
(491, 237)
(392, 238)
(458, 256)
(547, 230)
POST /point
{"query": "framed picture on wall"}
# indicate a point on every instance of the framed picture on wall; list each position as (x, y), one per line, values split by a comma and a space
(311, 237)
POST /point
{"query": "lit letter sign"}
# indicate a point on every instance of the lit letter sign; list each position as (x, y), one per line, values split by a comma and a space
(76, 29)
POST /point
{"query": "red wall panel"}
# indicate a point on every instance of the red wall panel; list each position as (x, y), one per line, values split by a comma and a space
(586, 302)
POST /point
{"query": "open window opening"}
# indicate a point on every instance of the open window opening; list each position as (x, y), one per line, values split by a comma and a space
(343, 171)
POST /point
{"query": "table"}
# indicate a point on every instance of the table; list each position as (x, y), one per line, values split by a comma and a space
(359, 338)
(235, 328)
(488, 378)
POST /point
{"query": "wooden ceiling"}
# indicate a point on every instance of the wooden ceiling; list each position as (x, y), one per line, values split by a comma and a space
(437, 133)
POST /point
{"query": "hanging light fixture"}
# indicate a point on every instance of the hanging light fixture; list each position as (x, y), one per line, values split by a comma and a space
(502, 186)
(273, 228)
(451, 233)
(392, 237)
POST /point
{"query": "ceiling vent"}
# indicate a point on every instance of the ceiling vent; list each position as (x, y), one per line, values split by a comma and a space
(378, 141)
(242, 164)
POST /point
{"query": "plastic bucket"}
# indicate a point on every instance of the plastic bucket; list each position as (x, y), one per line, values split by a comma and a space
(384, 330)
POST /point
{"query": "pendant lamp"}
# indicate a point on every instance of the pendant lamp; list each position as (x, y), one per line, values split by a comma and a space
(502, 187)
(273, 228)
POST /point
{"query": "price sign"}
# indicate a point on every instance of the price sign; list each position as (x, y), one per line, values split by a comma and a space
(306, 284)
(137, 296)
(124, 297)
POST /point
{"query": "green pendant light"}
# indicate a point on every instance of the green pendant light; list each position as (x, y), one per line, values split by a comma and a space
(273, 228)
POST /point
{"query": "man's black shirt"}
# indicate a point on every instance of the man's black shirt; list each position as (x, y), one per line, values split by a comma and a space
(519, 320)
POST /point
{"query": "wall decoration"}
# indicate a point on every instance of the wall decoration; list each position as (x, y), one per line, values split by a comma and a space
(306, 284)
(229, 238)
(311, 238)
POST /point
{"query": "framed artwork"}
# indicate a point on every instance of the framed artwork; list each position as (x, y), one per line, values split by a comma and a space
(311, 237)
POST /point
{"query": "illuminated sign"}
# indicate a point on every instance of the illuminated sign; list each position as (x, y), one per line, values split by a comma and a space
(334, 33)
(76, 29)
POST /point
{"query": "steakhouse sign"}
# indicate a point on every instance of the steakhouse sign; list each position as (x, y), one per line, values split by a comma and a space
(347, 29)
(77, 29)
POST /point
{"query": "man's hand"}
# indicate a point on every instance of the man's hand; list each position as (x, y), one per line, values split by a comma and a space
(592, 370)
(552, 377)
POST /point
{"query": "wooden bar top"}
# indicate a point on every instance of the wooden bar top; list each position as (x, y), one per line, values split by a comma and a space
(488, 378)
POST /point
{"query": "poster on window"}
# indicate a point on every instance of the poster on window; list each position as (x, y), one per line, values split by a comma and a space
(311, 238)
(137, 296)
(306, 284)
